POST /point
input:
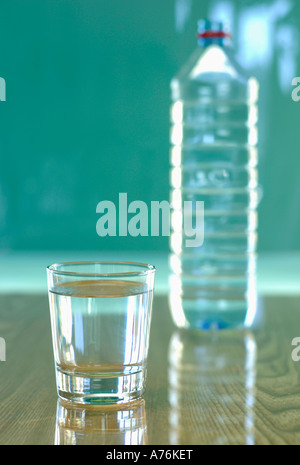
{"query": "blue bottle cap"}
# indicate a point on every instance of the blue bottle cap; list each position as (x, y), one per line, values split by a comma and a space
(212, 32)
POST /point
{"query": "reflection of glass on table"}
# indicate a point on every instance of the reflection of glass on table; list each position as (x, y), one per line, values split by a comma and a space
(123, 424)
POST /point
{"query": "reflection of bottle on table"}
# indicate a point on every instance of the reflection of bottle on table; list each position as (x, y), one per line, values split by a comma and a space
(212, 387)
(214, 160)
(101, 425)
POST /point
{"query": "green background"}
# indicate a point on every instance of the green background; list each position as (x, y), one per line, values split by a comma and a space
(87, 115)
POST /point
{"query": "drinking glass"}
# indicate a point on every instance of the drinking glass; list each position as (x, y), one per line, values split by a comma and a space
(100, 321)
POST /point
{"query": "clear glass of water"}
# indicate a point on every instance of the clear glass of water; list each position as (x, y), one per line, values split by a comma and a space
(100, 320)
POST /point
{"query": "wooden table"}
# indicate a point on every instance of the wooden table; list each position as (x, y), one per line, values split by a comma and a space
(232, 387)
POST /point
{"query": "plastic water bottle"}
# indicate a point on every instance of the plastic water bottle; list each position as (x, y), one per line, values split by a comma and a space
(214, 160)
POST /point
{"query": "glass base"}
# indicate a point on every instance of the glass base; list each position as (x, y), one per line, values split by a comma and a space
(100, 388)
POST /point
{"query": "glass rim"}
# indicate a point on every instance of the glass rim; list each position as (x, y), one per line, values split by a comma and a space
(148, 268)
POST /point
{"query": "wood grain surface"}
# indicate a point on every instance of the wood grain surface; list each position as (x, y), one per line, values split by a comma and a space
(231, 387)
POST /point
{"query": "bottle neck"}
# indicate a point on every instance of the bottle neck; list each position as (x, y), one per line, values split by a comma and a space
(212, 33)
(207, 38)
